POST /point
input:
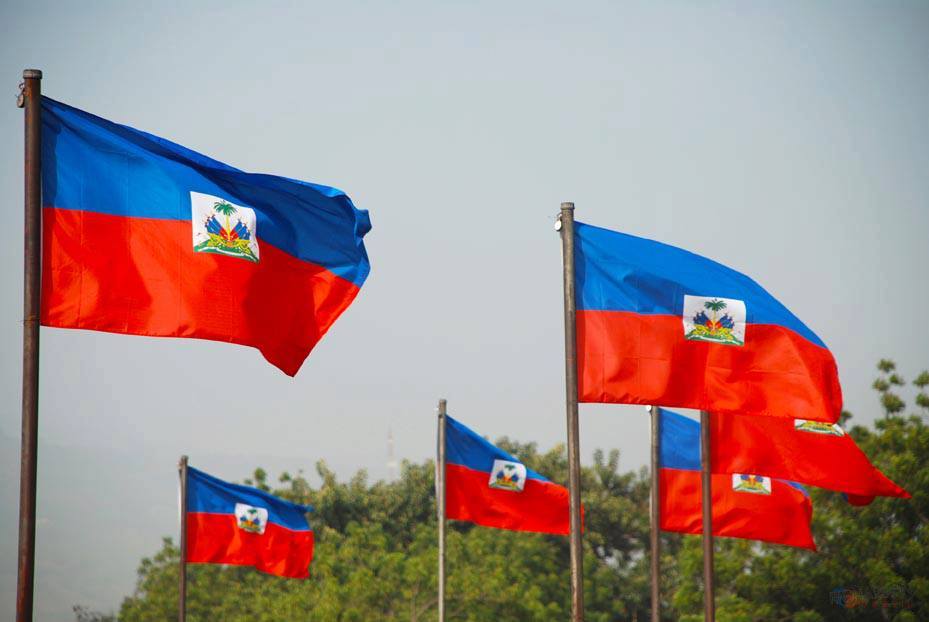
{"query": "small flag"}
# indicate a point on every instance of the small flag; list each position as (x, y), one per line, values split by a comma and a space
(659, 325)
(810, 452)
(745, 505)
(244, 526)
(487, 486)
(143, 236)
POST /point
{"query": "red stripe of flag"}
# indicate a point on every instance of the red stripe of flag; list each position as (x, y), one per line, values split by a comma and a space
(817, 455)
(217, 539)
(541, 507)
(141, 276)
(782, 517)
(629, 358)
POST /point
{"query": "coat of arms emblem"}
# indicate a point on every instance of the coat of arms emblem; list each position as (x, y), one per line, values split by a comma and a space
(507, 475)
(818, 427)
(717, 320)
(251, 519)
(757, 484)
(222, 227)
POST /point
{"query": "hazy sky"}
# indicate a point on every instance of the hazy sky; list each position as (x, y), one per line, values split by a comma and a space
(790, 142)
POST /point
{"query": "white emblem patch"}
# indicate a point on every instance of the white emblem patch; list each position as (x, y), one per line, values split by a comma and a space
(757, 484)
(222, 227)
(251, 519)
(818, 427)
(508, 475)
(713, 319)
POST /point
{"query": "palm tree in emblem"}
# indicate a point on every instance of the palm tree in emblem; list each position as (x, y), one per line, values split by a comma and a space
(715, 306)
(226, 209)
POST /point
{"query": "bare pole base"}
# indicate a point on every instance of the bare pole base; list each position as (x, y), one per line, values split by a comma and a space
(709, 579)
(182, 568)
(655, 516)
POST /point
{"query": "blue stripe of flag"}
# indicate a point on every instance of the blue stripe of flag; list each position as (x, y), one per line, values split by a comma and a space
(115, 169)
(212, 495)
(620, 272)
(466, 448)
(680, 442)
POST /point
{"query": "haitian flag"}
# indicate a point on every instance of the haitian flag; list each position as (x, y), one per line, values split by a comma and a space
(810, 452)
(146, 237)
(487, 486)
(243, 526)
(659, 325)
(748, 506)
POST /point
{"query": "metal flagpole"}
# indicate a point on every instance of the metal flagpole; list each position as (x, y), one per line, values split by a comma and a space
(31, 99)
(182, 580)
(440, 505)
(709, 591)
(566, 227)
(655, 516)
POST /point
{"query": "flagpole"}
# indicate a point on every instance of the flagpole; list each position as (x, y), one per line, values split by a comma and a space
(182, 574)
(440, 505)
(31, 100)
(566, 226)
(655, 516)
(709, 593)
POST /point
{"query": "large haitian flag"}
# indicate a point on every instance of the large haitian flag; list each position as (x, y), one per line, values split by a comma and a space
(243, 526)
(660, 325)
(745, 505)
(144, 236)
(810, 452)
(488, 486)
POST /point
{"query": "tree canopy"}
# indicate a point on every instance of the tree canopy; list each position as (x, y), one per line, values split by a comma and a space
(376, 551)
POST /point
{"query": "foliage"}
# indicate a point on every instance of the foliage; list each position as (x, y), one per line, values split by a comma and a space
(83, 614)
(376, 554)
(884, 384)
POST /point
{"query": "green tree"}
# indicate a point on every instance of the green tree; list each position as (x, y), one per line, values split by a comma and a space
(83, 614)
(880, 552)
(885, 385)
(922, 398)
(375, 555)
